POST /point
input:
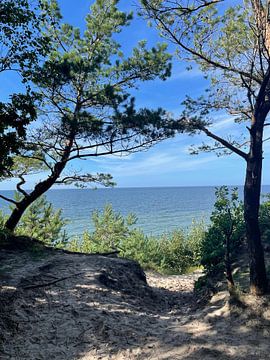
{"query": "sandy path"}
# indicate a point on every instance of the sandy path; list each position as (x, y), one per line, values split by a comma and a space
(100, 308)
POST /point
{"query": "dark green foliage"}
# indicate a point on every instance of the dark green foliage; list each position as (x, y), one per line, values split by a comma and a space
(14, 117)
(44, 223)
(22, 45)
(85, 82)
(20, 33)
(41, 222)
(265, 219)
(170, 253)
(175, 255)
(228, 217)
(226, 220)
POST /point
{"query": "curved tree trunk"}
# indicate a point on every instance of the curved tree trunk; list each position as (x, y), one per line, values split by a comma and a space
(21, 206)
(17, 213)
(252, 192)
(39, 189)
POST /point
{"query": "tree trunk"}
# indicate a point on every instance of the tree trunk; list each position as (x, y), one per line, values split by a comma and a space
(39, 189)
(228, 264)
(16, 215)
(19, 210)
(252, 192)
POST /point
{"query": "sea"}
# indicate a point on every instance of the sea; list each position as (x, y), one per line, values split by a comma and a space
(158, 209)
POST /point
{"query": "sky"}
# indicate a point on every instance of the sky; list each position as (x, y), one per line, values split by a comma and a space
(168, 163)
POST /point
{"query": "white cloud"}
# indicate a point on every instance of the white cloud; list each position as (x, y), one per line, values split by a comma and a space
(223, 124)
(185, 74)
(160, 162)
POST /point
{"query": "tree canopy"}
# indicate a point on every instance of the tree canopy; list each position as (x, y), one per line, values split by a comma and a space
(22, 46)
(86, 108)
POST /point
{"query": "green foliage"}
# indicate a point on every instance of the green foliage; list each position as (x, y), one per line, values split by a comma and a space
(22, 44)
(230, 45)
(14, 116)
(180, 251)
(174, 252)
(111, 230)
(42, 222)
(170, 253)
(4, 234)
(86, 82)
(20, 33)
(227, 219)
(195, 239)
(264, 216)
(221, 41)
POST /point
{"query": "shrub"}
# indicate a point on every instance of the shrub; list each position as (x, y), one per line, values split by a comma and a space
(265, 219)
(227, 222)
(4, 234)
(44, 223)
(170, 253)
(195, 239)
(174, 252)
(41, 222)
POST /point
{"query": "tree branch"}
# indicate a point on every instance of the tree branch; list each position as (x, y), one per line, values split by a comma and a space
(36, 158)
(187, 10)
(196, 53)
(8, 199)
(112, 152)
(18, 186)
(225, 143)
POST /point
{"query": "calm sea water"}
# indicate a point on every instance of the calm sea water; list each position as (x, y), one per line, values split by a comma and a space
(158, 210)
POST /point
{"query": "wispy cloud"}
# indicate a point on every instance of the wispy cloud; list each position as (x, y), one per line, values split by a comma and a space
(185, 74)
(158, 163)
(223, 124)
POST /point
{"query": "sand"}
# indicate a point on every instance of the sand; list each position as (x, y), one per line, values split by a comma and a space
(63, 306)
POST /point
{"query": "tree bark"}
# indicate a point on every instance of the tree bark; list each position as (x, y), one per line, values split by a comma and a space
(20, 208)
(252, 192)
(16, 214)
(228, 264)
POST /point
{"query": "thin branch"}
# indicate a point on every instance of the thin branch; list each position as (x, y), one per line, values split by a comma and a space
(187, 10)
(112, 152)
(37, 158)
(35, 286)
(109, 142)
(19, 188)
(197, 54)
(8, 199)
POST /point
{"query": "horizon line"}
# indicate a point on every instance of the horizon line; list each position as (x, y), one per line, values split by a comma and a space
(138, 187)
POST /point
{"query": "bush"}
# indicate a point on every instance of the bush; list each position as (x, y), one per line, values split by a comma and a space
(265, 219)
(111, 230)
(195, 239)
(170, 253)
(227, 221)
(175, 253)
(44, 223)
(4, 233)
(41, 222)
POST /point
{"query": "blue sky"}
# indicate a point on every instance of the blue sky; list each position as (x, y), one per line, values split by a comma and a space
(168, 163)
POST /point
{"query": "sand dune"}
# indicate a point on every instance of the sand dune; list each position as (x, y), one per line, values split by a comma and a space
(63, 306)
